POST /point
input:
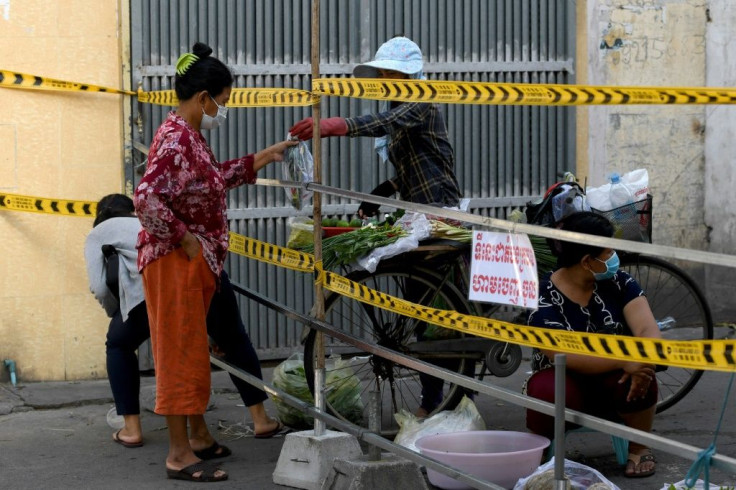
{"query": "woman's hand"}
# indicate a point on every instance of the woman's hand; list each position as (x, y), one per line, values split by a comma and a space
(274, 153)
(641, 376)
(190, 245)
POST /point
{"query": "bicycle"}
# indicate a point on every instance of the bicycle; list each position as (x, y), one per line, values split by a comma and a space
(676, 301)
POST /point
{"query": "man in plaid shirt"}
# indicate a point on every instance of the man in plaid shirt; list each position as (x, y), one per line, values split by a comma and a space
(413, 136)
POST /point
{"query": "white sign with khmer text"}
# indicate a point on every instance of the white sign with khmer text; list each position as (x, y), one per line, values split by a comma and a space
(503, 269)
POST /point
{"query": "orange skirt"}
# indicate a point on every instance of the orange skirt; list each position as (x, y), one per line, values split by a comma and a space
(178, 292)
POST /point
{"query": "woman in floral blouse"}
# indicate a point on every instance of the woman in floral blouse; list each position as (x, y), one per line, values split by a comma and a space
(587, 293)
(181, 203)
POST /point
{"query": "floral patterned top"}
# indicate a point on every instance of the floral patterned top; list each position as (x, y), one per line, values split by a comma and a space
(603, 314)
(185, 188)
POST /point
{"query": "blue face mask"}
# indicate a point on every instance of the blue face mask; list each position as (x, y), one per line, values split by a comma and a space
(612, 264)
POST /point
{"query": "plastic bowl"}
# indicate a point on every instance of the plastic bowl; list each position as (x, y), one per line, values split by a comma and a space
(328, 231)
(499, 456)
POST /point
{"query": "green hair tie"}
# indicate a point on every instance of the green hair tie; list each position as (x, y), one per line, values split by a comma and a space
(184, 62)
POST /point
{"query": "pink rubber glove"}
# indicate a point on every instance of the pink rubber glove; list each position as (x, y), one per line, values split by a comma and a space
(332, 126)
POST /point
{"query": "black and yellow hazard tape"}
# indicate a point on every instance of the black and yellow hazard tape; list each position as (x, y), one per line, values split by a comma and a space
(272, 254)
(454, 92)
(439, 91)
(10, 79)
(718, 355)
(241, 97)
(30, 204)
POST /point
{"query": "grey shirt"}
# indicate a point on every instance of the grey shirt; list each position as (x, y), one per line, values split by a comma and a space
(121, 233)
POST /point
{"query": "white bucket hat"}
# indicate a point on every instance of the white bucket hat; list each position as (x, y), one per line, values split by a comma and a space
(398, 54)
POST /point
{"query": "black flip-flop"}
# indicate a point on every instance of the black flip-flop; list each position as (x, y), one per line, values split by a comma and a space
(212, 452)
(208, 473)
(643, 458)
(116, 438)
(270, 433)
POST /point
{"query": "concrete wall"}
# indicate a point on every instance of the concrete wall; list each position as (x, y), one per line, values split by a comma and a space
(651, 43)
(688, 150)
(64, 145)
(720, 156)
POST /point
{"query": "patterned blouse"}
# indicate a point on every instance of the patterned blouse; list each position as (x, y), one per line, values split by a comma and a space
(604, 313)
(419, 150)
(185, 188)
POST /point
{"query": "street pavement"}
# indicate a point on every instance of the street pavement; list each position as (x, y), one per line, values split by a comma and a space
(55, 435)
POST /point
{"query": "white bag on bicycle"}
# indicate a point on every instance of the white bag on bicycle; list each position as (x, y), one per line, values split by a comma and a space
(418, 228)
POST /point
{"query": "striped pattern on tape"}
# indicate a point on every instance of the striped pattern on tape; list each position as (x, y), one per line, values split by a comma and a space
(30, 204)
(271, 254)
(454, 92)
(10, 79)
(437, 91)
(241, 97)
(718, 355)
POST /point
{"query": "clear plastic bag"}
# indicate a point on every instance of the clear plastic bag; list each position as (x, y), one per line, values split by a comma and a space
(579, 476)
(464, 418)
(298, 166)
(345, 397)
(301, 232)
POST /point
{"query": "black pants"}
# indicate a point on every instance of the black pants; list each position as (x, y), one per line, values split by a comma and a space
(225, 327)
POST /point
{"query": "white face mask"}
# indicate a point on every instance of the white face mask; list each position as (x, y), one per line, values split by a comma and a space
(209, 122)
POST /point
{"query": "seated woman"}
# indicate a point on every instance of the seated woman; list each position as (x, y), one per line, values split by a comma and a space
(587, 293)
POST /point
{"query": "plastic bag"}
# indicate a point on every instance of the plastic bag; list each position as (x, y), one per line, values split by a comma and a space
(579, 476)
(345, 398)
(301, 232)
(637, 181)
(699, 485)
(298, 166)
(418, 228)
(464, 418)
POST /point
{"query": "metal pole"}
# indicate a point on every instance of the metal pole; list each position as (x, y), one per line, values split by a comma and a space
(560, 362)
(374, 423)
(319, 301)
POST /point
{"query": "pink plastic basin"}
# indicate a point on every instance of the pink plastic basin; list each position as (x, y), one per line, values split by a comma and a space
(499, 456)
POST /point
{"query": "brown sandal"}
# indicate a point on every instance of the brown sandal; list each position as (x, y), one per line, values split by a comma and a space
(633, 465)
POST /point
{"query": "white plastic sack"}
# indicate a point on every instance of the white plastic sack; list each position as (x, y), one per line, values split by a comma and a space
(580, 477)
(418, 228)
(699, 485)
(637, 181)
(464, 418)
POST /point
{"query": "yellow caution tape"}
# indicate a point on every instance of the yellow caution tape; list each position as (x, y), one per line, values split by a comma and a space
(452, 92)
(716, 355)
(10, 79)
(30, 204)
(241, 97)
(272, 254)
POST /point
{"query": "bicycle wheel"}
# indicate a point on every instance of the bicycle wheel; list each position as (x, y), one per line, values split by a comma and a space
(399, 387)
(682, 313)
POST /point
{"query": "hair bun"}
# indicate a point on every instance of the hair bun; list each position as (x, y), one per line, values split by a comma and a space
(201, 50)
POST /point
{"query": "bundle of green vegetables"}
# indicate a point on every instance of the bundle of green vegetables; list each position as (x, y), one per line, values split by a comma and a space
(345, 248)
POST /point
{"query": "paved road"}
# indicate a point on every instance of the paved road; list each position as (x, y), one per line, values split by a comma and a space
(65, 441)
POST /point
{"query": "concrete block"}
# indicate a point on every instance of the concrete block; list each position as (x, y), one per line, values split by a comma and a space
(362, 474)
(306, 460)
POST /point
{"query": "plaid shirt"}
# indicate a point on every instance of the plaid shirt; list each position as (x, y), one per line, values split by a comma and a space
(419, 150)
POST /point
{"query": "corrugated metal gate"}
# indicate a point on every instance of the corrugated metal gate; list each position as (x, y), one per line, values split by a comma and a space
(503, 154)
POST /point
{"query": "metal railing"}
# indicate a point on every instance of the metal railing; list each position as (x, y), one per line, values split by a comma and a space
(686, 451)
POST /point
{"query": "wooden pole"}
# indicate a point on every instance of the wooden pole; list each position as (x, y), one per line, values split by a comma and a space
(319, 310)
